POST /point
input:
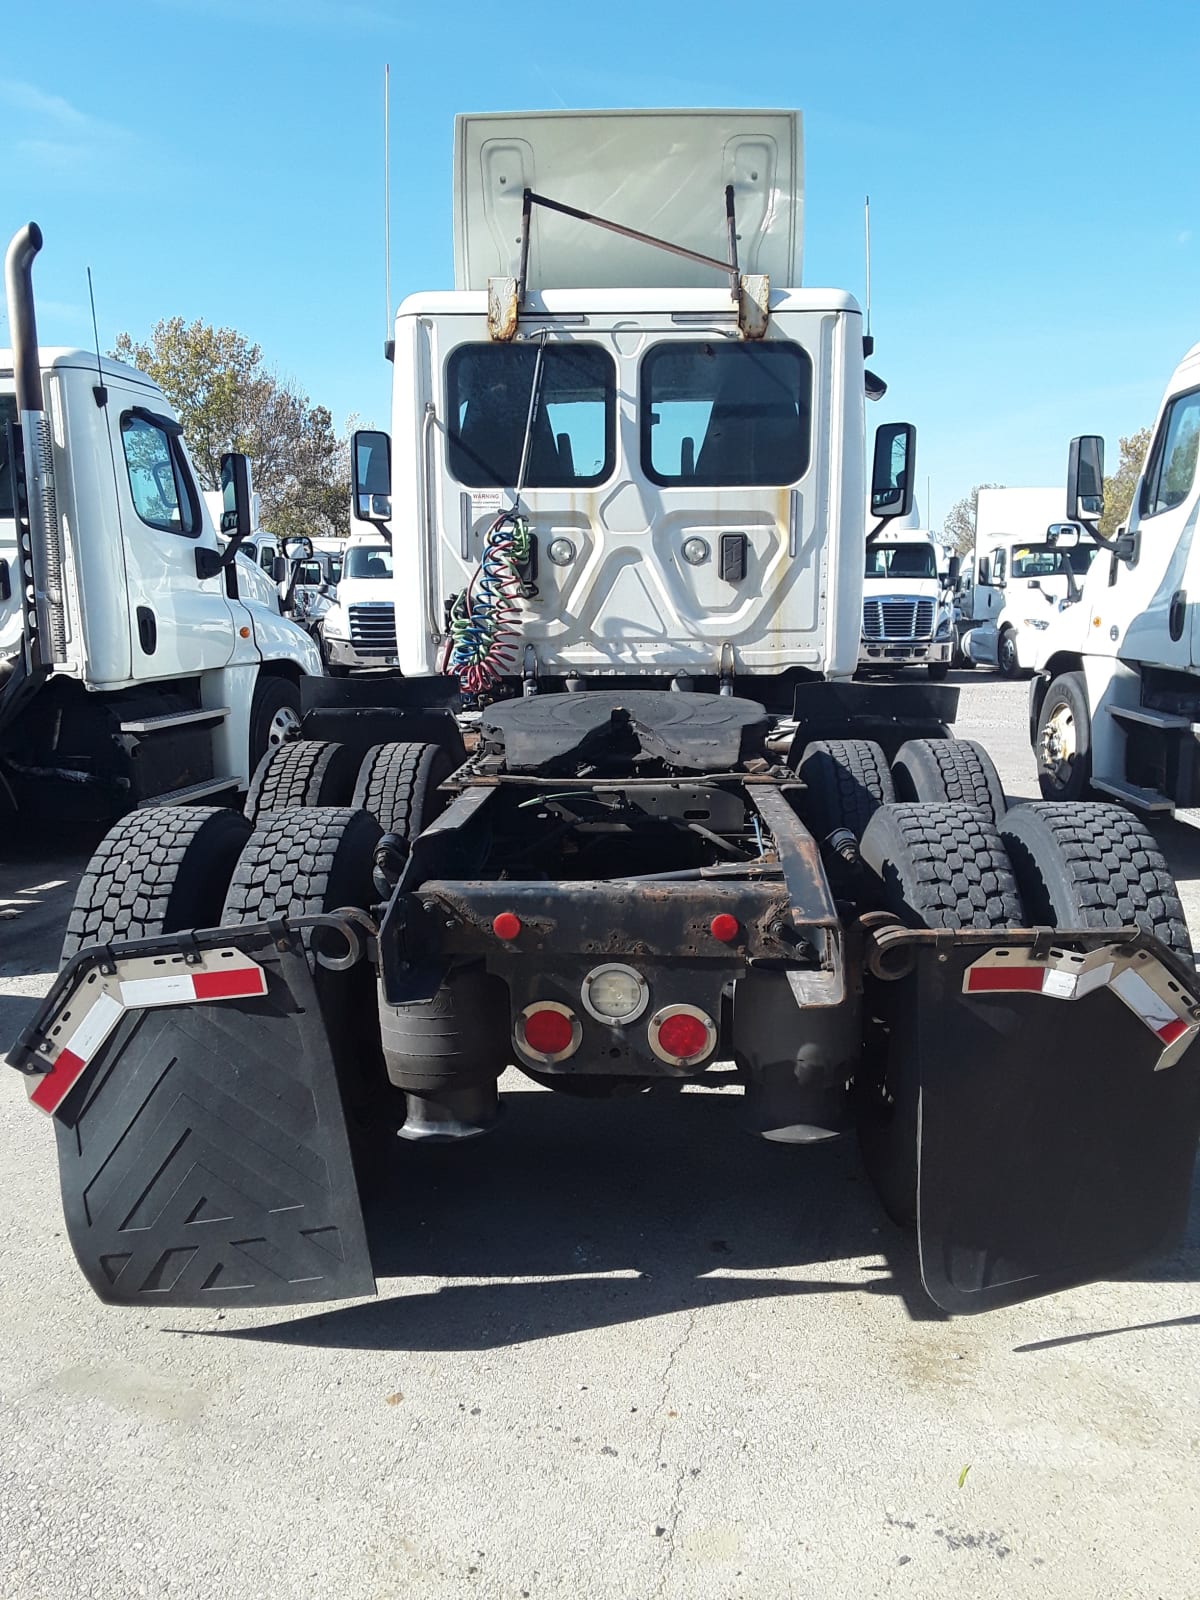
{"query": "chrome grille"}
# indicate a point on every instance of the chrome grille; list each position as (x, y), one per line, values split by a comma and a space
(373, 628)
(898, 619)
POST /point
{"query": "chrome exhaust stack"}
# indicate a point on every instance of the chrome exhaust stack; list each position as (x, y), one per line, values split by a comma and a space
(42, 559)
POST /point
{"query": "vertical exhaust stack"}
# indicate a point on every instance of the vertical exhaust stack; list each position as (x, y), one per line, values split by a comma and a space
(43, 561)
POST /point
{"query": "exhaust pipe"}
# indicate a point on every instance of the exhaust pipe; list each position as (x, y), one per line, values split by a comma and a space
(22, 322)
(45, 619)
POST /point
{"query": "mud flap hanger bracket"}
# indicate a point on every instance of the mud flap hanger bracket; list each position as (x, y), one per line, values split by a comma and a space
(749, 291)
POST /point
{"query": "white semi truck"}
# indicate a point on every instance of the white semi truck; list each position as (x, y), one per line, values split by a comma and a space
(626, 492)
(908, 619)
(141, 663)
(1027, 563)
(1115, 703)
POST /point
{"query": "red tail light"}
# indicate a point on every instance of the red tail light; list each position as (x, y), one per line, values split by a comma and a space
(548, 1031)
(682, 1036)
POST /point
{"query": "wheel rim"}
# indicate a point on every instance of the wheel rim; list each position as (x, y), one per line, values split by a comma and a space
(1059, 746)
(284, 725)
(1008, 653)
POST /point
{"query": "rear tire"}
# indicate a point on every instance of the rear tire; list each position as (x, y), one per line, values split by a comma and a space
(942, 866)
(1093, 865)
(845, 783)
(1063, 750)
(157, 871)
(303, 863)
(939, 866)
(304, 772)
(954, 771)
(398, 785)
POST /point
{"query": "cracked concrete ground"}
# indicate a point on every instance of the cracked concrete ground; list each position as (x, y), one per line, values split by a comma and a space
(621, 1350)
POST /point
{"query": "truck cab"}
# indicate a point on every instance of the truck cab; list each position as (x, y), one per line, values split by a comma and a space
(357, 621)
(1020, 586)
(139, 662)
(1115, 702)
(907, 617)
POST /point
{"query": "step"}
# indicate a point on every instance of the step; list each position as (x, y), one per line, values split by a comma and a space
(174, 719)
(192, 791)
(1146, 716)
(1188, 815)
(1132, 795)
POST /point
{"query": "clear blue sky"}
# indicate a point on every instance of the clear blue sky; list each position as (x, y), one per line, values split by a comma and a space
(1035, 189)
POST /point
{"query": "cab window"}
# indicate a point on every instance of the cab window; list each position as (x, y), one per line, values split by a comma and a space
(159, 480)
(573, 436)
(900, 561)
(1171, 470)
(716, 414)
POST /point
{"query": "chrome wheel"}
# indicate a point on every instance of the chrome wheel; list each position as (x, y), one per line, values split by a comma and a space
(284, 725)
(1058, 744)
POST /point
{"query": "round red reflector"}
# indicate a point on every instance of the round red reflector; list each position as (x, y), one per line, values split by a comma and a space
(682, 1036)
(506, 925)
(548, 1032)
(724, 927)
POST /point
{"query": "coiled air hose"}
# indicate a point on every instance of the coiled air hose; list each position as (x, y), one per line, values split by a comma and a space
(483, 619)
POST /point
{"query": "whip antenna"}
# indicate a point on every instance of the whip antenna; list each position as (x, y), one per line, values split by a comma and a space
(389, 344)
(100, 392)
(867, 248)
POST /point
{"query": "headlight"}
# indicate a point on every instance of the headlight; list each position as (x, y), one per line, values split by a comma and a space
(945, 627)
(1040, 623)
(335, 624)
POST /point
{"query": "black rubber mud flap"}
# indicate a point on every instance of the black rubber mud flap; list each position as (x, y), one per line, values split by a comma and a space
(1056, 1136)
(204, 1158)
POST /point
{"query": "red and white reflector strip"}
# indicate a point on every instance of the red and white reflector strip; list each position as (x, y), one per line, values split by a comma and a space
(1139, 980)
(92, 1010)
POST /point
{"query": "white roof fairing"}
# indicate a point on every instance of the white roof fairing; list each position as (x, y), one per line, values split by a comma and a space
(661, 172)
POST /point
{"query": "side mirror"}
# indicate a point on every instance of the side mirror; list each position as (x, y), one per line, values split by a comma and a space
(236, 507)
(279, 568)
(1034, 583)
(893, 477)
(952, 571)
(1063, 535)
(371, 453)
(1085, 480)
(985, 570)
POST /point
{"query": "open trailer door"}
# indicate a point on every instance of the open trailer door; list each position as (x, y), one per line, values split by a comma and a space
(203, 1150)
(1055, 1089)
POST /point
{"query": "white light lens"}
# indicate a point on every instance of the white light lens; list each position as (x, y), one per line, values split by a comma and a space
(695, 551)
(561, 552)
(615, 994)
(1039, 623)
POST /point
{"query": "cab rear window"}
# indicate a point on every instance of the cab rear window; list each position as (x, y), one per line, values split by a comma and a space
(716, 414)
(573, 436)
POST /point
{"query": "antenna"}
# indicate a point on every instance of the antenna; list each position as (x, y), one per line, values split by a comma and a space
(867, 243)
(389, 344)
(99, 390)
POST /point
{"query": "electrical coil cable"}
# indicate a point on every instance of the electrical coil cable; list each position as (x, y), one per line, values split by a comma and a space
(483, 618)
(483, 623)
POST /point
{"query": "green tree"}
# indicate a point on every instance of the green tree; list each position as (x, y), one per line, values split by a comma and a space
(1118, 489)
(958, 530)
(226, 399)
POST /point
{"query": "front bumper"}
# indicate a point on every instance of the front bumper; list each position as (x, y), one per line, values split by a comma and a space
(904, 652)
(345, 653)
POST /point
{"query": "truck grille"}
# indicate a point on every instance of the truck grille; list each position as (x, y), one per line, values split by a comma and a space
(897, 619)
(373, 628)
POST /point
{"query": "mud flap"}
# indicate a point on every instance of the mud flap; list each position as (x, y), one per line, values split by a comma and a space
(203, 1151)
(1057, 1109)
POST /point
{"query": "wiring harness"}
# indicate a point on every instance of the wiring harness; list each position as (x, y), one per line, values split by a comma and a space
(483, 618)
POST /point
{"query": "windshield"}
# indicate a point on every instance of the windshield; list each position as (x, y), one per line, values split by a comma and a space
(1049, 561)
(901, 561)
(8, 413)
(365, 562)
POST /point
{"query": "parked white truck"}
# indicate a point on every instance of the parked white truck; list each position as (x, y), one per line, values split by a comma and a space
(1115, 704)
(907, 616)
(139, 662)
(1027, 563)
(625, 492)
(358, 626)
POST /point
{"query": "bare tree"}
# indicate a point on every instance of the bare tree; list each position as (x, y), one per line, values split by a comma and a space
(958, 530)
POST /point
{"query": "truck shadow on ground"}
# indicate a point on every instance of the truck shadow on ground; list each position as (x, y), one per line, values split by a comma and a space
(673, 1194)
